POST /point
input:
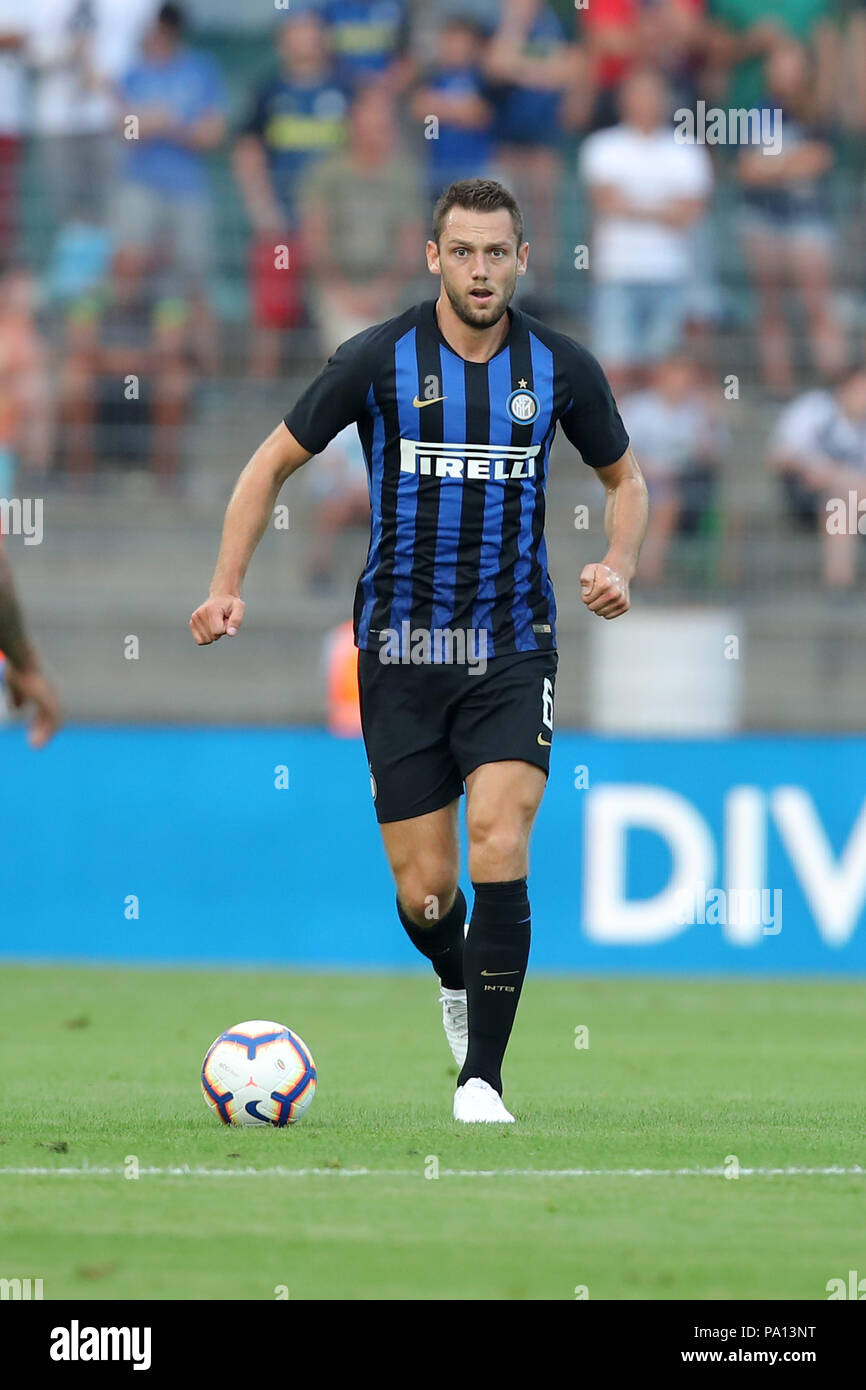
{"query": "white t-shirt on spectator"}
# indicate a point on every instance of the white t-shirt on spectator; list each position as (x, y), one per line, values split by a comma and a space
(14, 19)
(667, 438)
(813, 427)
(63, 104)
(651, 170)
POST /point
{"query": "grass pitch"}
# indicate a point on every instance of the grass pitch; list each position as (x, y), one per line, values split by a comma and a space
(101, 1066)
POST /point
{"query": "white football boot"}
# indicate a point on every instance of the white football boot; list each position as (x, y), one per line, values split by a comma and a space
(476, 1102)
(455, 1021)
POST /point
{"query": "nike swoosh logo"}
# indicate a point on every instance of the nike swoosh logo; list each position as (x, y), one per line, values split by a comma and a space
(419, 405)
(500, 972)
(545, 742)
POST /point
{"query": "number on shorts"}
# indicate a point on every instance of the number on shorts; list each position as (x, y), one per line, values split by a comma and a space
(547, 703)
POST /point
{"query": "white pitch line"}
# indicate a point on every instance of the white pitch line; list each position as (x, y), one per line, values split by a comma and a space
(278, 1172)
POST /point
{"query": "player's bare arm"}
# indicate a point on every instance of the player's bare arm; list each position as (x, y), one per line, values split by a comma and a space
(605, 586)
(25, 679)
(251, 507)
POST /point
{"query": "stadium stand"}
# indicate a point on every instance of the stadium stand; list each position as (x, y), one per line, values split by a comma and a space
(128, 545)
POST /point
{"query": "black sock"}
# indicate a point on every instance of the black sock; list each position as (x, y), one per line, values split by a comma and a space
(494, 964)
(441, 942)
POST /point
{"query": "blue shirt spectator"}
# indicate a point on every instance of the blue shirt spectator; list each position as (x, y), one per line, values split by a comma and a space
(296, 122)
(172, 90)
(366, 36)
(530, 115)
(456, 92)
(460, 153)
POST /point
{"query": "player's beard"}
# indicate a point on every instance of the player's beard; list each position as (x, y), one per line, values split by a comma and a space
(486, 317)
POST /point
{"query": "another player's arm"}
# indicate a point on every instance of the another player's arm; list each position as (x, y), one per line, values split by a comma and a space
(605, 586)
(24, 675)
(247, 516)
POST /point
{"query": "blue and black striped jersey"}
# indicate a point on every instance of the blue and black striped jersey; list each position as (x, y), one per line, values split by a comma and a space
(457, 456)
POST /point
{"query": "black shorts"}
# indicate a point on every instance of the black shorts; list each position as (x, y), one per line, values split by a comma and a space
(426, 727)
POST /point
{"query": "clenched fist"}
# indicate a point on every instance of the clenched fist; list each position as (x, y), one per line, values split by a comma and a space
(219, 616)
(604, 592)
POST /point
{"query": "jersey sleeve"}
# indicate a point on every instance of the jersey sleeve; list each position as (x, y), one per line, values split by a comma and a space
(335, 399)
(591, 420)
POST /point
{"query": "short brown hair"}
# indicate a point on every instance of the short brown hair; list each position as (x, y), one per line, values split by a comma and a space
(477, 195)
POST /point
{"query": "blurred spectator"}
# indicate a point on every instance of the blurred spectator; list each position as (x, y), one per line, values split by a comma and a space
(456, 93)
(818, 449)
(675, 39)
(852, 68)
(787, 226)
(369, 39)
(128, 374)
(363, 224)
(297, 116)
(620, 35)
(609, 30)
(647, 193)
(163, 205)
(26, 417)
(747, 31)
(77, 51)
(337, 484)
(679, 439)
(14, 18)
(535, 66)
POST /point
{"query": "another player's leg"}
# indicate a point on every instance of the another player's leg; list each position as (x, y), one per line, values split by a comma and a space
(424, 854)
(502, 801)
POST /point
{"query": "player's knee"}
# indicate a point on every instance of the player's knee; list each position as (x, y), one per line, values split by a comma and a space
(425, 897)
(496, 846)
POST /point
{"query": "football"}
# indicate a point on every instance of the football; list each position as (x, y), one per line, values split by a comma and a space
(259, 1073)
